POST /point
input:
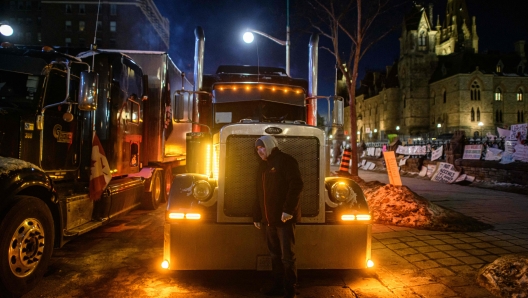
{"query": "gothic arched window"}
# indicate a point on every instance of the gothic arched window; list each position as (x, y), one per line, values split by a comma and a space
(498, 94)
(472, 115)
(478, 114)
(421, 39)
(520, 116)
(445, 96)
(475, 91)
(520, 95)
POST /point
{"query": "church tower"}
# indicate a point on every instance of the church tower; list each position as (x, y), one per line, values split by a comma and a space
(417, 63)
(459, 32)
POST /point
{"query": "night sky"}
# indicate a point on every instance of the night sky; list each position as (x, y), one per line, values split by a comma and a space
(499, 25)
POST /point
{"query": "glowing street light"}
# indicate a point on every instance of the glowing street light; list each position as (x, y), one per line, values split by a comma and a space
(6, 30)
(249, 37)
(480, 124)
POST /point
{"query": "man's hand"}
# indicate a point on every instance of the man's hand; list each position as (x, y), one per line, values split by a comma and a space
(257, 224)
(285, 217)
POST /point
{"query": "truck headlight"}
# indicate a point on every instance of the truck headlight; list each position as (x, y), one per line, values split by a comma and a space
(342, 192)
(201, 190)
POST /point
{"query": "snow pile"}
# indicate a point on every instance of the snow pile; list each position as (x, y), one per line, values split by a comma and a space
(400, 206)
(507, 276)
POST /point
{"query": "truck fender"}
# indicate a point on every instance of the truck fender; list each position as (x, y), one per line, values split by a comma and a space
(26, 179)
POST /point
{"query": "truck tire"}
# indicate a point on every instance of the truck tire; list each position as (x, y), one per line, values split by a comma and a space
(152, 199)
(26, 245)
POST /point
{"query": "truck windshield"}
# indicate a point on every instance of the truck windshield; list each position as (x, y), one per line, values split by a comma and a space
(19, 90)
(257, 111)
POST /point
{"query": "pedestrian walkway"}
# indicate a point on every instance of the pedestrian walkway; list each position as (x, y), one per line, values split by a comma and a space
(421, 263)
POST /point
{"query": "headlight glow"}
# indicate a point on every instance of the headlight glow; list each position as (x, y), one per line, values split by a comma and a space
(176, 215)
(363, 217)
(201, 190)
(193, 216)
(348, 217)
(341, 191)
(165, 264)
(370, 264)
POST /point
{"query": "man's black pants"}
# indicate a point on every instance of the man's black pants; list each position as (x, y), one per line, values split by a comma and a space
(281, 244)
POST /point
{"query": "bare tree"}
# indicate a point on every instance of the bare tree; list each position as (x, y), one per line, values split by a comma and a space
(352, 27)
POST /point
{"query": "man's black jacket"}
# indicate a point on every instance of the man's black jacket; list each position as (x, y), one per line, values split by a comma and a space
(279, 186)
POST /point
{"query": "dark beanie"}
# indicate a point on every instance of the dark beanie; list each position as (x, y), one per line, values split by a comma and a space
(259, 143)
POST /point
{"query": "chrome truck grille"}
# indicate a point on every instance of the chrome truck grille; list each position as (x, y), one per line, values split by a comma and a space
(241, 168)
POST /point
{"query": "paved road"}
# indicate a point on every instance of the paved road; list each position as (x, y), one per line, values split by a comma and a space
(122, 259)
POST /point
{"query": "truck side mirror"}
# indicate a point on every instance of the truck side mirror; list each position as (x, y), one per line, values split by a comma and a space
(338, 116)
(88, 87)
(179, 107)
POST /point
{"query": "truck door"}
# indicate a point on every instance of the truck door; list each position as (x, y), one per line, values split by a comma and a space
(60, 149)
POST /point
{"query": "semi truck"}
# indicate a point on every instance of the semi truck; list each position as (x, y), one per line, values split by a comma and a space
(74, 138)
(209, 222)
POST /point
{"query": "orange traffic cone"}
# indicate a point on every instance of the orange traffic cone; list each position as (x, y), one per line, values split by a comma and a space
(345, 160)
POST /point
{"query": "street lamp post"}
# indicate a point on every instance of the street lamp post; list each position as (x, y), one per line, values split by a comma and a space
(5, 29)
(480, 124)
(248, 37)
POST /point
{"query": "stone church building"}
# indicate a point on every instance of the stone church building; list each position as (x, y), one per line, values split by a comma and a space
(441, 83)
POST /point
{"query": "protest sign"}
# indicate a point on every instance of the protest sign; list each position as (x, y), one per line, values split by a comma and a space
(493, 154)
(430, 170)
(521, 152)
(402, 150)
(472, 151)
(392, 168)
(518, 132)
(377, 152)
(445, 173)
(504, 133)
(437, 153)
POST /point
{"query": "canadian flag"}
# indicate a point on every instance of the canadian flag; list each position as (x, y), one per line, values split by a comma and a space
(99, 171)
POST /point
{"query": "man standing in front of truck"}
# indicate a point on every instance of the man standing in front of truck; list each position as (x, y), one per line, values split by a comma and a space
(279, 186)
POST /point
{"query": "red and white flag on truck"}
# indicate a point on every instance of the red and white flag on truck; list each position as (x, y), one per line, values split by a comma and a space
(99, 171)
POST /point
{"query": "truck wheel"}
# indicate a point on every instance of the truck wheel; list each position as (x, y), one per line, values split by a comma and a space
(26, 245)
(152, 199)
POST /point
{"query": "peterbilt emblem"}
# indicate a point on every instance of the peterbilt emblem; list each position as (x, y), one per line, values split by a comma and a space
(273, 130)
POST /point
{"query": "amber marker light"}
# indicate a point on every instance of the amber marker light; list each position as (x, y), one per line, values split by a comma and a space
(370, 263)
(247, 87)
(363, 217)
(165, 264)
(194, 216)
(347, 217)
(176, 215)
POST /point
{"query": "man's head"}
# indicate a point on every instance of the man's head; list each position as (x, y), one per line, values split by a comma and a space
(265, 145)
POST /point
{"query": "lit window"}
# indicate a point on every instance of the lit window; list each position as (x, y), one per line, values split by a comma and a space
(113, 26)
(67, 41)
(68, 25)
(520, 95)
(498, 94)
(81, 26)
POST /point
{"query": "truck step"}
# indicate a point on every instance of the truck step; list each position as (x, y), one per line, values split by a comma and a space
(84, 228)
